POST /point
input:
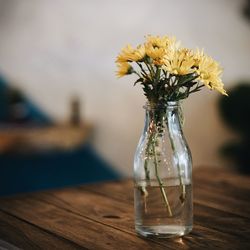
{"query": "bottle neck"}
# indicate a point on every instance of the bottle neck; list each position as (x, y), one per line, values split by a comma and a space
(164, 121)
(160, 115)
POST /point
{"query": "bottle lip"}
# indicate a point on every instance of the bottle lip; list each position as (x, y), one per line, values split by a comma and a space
(170, 104)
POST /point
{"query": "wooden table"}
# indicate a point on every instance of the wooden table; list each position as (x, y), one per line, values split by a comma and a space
(101, 217)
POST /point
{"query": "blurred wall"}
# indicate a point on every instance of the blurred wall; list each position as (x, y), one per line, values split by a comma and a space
(53, 49)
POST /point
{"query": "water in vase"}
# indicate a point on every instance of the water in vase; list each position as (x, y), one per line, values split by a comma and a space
(153, 218)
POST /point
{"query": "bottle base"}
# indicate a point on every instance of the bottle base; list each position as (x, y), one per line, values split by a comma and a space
(163, 231)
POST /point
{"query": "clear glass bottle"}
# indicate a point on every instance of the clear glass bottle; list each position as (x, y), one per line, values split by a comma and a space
(163, 175)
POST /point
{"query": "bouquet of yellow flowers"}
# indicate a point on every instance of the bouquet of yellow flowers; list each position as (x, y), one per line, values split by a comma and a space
(167, 71)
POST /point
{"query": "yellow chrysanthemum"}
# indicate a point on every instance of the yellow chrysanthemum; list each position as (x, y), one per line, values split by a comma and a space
(210, 72)
(139, 53)
(164, 42)
(157, 41)
(156, 53)
(158, 47)
(198, 55)
(180, 62)
(124, 68)
(129, 54)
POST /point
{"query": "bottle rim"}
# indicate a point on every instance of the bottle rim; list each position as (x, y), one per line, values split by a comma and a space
(170, 104)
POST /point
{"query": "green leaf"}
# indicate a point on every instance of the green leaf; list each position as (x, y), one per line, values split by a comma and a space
(183, 80)
(138, 80)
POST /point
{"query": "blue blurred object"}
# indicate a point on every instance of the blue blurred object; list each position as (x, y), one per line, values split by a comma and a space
(26, 173)
(16, 107)
(33, 171)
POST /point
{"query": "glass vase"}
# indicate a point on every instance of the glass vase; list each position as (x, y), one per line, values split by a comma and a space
(163, 175)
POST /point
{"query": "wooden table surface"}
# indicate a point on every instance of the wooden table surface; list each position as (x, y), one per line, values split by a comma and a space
(101, 217)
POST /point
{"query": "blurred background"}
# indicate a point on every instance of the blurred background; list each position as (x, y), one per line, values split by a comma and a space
(64, 117)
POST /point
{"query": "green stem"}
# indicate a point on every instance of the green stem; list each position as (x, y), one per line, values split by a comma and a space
(144, 72)
(137, 74)
(196, 89)
(163, 192)
(150, 65)
(149, 69)
(183, 188)
(157, 75)
(147, 172)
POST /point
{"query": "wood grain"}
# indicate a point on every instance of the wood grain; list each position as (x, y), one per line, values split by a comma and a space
(27, 236)
(100, 216)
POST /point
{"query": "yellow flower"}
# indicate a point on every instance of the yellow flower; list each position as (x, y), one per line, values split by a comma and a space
(124, 68)
(157, 54)
(158, 47)
(129, 54)
(164, 42)
(125, 54)
(210, 72)
(180, 62)
(219, 86)
(139, 53)
(157, 41)
(198, 55)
